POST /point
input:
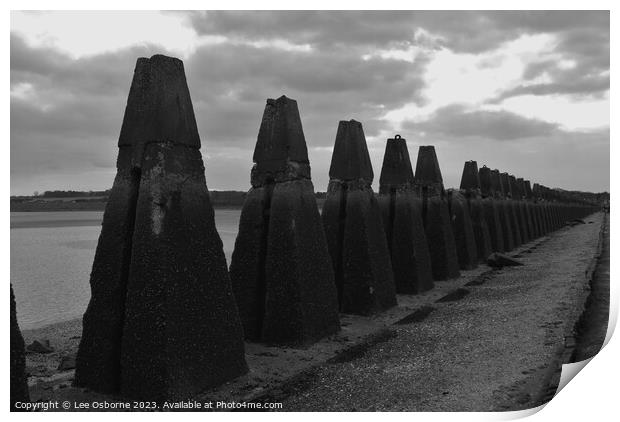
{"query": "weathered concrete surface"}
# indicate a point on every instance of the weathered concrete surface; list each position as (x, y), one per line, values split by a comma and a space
(301, 303)
(350, 158)
(527, 217)
(463, 230)
(491, 213)
(441, 244)
(436, 215)
(482, 233)
(491, 209)
(280, 268)
(491, 350)
(354, 229)
(411, 259)
(471, 190)
(19, 385)
(520, 209)
(511, 209)
(162, 322)
(181, 331)
(401, 212)
(504, 211)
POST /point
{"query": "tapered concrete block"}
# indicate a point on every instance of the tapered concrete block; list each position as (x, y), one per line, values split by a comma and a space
(529, 197)
(19, 380)
(162, 323)
(350, 158)
(463, 230)
(487, 188)
(505, 211)
(517, 196)
(512, 209)
(281, 269)
(470, 178)
(491, 210)
(354, 229)
(401, 212)
(471, 190)
(436, 215)
(536, 194)
(527, 215)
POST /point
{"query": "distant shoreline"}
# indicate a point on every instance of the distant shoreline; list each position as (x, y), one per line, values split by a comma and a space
(55, 206)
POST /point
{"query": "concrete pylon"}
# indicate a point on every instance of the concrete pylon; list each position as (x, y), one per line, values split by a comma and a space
(463, 230)
(527, 212)
(491, 209)
(470, 187)
(354, 230)
(19, 381)
(517, 196)
(542, 208)
(401, 211)
(512, 208)
(280, 268)
(436, 215)
(529, 197)
(505, 211)
(162, 323)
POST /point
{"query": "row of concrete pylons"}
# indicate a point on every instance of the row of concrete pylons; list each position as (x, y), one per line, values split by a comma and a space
(168, 319)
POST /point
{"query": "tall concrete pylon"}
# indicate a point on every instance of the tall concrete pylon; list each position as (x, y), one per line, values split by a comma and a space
(512, 209)
(162, 323)
(534, 209)
(463, 230)
(401, 211)
(505, 210)
(517, 196)
(527, 212)
(354, 229)
(280, 269)
(491, 209)
(435, 215)
(470, 187)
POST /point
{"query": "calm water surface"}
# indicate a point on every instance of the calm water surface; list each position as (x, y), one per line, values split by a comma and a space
(52, 255)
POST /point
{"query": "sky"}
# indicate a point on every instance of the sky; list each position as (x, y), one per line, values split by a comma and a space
(526, 92)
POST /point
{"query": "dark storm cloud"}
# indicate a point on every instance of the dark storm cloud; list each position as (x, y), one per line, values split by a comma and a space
(66, 113)
(582, 36)
(456, 121)
(461, 31)
(318, 28)
(581, 70)
(328, 85)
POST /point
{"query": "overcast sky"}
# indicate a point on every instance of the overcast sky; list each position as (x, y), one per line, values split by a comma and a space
(525, 92)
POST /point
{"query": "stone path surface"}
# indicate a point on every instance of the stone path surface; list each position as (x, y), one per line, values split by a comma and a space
(494, 349)
(593, 325)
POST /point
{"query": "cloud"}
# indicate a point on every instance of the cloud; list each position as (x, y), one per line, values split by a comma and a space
(581, 37)
(578, 65)
(67, 109)
(328, 85)
(459, 122)
(66, 113)
(461, 31)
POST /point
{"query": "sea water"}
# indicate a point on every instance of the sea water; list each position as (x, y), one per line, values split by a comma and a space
(52, 255)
